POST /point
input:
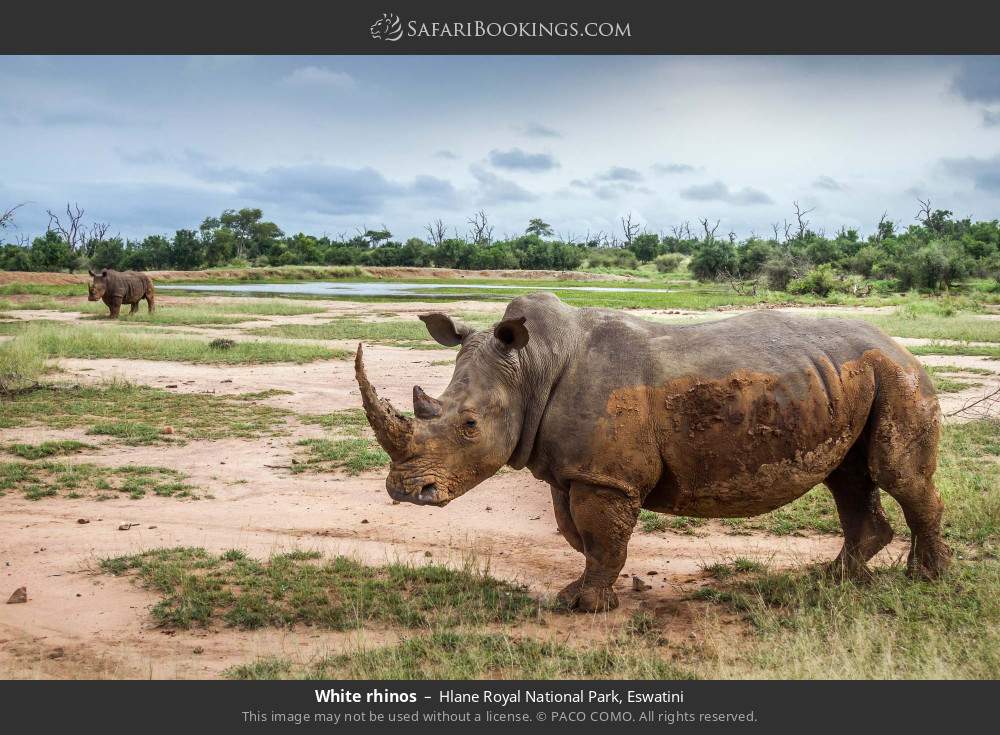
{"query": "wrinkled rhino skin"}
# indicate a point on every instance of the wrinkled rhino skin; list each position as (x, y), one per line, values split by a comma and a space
(115, 288)
(728, 418)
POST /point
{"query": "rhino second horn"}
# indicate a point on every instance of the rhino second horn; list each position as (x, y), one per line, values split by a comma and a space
(425, 407)
(392, 429)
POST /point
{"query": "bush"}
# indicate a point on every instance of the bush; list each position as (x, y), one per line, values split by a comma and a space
(669, 262)
(711, 258)
(612, 258)
(21, 362)
(820, 281)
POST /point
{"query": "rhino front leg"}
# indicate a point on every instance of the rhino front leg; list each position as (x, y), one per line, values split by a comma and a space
(115, 306)
(603, 519)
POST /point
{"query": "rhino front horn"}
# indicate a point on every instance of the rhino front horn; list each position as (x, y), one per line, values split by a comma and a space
(392, 429)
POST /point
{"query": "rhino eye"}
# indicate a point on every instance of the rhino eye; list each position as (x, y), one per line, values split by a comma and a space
(471, 423)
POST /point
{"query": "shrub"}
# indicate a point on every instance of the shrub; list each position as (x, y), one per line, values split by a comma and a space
(612, 258)
(668, 262)
(820, 281)
(711, 258)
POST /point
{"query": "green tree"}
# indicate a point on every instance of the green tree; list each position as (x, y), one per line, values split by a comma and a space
(539, 227)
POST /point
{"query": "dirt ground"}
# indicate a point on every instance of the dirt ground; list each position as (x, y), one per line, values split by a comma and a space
(81, 624)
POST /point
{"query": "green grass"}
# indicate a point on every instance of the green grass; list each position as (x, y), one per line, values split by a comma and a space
(199, 588)
(229, 311)
(101, 408)
(945, 382)
(959, 328)
(352, 455)
(21, 364)
(476, 655)
(352, 448)
(936, 348)
(401, 332)
(79, 341)
(47, 449)
(38, 480)
(651, 522)
(803, 625)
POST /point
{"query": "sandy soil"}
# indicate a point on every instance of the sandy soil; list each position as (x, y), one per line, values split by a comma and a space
(79, 623)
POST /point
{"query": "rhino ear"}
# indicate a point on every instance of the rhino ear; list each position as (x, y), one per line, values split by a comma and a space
(512, 333)
(445, 330)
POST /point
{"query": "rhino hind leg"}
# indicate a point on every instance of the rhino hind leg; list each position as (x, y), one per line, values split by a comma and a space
(133, 308)
(866, 528)
(149, 302)
(603, 519)
(902, 457)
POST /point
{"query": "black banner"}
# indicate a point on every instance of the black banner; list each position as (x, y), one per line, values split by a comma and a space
(514, 26)
(380, 706)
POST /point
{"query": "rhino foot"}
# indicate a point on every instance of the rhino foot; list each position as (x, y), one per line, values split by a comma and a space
(587, 598)
(929, 558)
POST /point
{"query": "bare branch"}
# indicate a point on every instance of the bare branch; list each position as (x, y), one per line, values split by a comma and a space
(629, 229)
(482, 231)
(7, 217)
(800, 215)
(709, 231)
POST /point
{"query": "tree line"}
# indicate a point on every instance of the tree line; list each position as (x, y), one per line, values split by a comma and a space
(933, 252)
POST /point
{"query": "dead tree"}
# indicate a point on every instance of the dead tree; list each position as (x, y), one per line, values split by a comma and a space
(436, 231)
(482, 231)
(924, 215)
(800, 215)
(709, 231)
(72, 230)
(7, 217)
(629, 229)
(742, 286)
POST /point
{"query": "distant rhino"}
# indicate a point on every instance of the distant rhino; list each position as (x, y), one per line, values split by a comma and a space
(728, 418)
(115, 289)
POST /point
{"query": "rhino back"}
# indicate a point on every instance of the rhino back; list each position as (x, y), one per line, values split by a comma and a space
(128, 286)
(668, 409)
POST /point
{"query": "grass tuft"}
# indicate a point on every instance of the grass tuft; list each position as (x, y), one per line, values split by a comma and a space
(199, 588)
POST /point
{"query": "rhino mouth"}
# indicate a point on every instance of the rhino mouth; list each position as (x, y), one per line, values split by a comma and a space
(422, 493)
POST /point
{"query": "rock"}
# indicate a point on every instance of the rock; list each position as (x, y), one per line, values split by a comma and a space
(364, 520)
(172, 385)
(57, 652)
(168, 429)
(197, 649)
(82, 520)
(19, 595)
(427, 553)
(126, 526)
(638, 585)
(395, 502)
(650, 574)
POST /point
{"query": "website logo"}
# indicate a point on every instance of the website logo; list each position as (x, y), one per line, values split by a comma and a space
(387, 28)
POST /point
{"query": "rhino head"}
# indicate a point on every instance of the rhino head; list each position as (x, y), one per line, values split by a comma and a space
(454, 442)
(97, 287)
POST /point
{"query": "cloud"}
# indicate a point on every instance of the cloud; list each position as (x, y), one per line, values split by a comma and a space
(672, 168)
(828, 183)
(141, 156)
(446, 155)
(537, 130)
(719, 192)
(494, 189)
(319, 76)
(517, 160)
(978, 79)
(991, 118)
(984, 173)
(620, 173)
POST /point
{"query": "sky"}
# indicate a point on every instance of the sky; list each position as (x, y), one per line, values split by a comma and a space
(335, 145)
